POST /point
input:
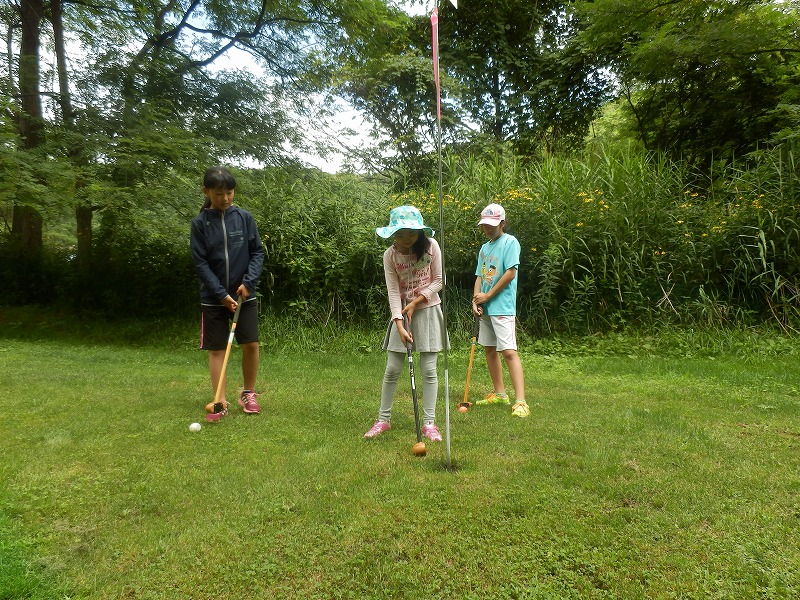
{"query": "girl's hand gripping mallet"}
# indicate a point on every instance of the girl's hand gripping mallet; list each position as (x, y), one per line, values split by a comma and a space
(218, 408)
(476, 324)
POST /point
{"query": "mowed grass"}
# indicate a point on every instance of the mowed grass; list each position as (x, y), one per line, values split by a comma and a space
(635, 477)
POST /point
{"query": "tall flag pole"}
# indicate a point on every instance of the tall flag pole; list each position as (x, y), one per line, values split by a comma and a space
(445, 337)
(436, 82)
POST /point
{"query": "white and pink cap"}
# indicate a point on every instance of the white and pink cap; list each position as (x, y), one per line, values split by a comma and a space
(492, 215)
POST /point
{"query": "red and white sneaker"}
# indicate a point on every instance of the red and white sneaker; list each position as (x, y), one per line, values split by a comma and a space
(248, 403)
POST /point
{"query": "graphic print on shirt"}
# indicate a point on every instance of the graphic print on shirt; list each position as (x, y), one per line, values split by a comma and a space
(487, 274)
(488, 269)
(411, 273)
(236, 239)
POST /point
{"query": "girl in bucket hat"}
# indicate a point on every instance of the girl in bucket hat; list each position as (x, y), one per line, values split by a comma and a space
(412, 266)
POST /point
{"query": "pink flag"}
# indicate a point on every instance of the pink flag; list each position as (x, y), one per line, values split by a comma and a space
(435, 27)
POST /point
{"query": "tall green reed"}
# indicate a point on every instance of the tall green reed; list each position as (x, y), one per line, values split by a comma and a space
(620, 237)
(613, 238)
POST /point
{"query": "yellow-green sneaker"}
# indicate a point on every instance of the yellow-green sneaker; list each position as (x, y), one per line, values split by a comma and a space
(520, 409)
(493, 398)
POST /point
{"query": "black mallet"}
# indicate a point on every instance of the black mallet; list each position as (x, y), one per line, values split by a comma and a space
(419, 448)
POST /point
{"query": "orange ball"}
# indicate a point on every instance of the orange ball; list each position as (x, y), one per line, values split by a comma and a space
(419, 449)
(462, 409)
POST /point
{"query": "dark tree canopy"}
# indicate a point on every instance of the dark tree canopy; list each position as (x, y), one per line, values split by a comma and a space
(701, 80)
(134, 99)
(509, 77)
(518, 77)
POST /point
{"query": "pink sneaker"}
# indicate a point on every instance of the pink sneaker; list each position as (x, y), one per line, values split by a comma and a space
(248, 403)
(430, 431)
(378, 428)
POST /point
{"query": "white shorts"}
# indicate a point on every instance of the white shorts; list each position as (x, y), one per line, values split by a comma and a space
(500, 332)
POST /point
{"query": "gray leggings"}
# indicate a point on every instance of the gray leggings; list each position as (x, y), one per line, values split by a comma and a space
(426, 373)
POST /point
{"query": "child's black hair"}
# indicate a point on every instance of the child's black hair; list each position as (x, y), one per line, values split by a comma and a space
(217, 178)
(421, 246)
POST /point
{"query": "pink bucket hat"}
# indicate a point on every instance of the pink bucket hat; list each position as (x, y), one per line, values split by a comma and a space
(492, 215)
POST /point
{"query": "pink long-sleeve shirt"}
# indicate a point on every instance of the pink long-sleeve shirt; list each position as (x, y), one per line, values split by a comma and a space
(407, 280)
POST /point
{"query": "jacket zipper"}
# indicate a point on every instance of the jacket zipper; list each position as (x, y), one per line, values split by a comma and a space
(225, 245)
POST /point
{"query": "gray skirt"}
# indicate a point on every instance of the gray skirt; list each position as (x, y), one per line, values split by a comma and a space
(427, 326)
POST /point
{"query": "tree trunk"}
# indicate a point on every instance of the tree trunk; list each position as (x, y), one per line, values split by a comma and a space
(31, 126)
(26, 228)
(83, 213)
(26, 231)
(65, 99)
(497, 121)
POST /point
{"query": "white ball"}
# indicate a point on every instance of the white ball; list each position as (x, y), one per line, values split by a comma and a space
(194, 427)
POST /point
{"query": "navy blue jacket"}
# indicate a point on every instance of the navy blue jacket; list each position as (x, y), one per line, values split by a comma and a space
(227, 252)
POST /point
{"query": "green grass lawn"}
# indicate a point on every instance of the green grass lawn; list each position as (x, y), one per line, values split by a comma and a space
(635, 477)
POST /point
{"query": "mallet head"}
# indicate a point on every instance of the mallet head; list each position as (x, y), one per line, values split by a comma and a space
(216, 410)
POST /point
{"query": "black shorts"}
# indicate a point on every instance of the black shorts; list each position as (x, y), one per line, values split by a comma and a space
(215, 325)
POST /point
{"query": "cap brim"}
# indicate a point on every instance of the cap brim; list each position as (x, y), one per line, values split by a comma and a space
(492, 222)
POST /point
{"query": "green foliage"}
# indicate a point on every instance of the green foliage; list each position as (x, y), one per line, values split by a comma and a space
(702, 81)
(386, 73)
(148, 101)
(144, 270)
(517, 77)
(761, 209)
(619, 238)
(319, 236)
(507, 77)
(611, 240)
